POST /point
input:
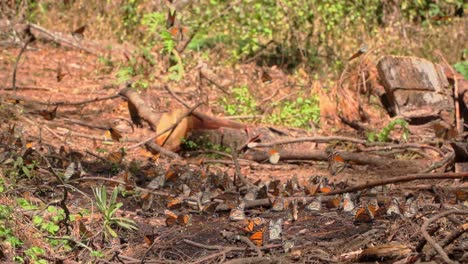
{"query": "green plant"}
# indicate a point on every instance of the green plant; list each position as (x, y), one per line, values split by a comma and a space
(297, 113)
(50, 225)
(241, 102)
(34, 254)
(21, 169)
(108, 208)
(384, 134)
(6, 235)
(462, 68)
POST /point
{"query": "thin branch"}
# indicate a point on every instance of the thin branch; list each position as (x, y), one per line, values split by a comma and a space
(306, 139)
(431, 241)
(406, 178)
(87, 101)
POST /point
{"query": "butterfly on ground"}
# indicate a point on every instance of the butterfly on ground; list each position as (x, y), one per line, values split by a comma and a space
(178, 32)
(258, 237)
(237, 214)
(78, 33)
(181, 219)
(363, 49)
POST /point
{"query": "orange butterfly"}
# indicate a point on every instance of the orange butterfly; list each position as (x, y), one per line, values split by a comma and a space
(174, 203)
(172, 218)
(348, 204)
(280, 204)
(273, 156)
(253, 224)
(363, 215)
(336, 163)
(178, 32)
(258, 237)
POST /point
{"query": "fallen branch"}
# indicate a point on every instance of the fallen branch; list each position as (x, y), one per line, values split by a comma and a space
(431, 241)
(445, 161)
(402, 146)
(29, 39)
(87, 101)
(54, 37)
(143, 110)
(407, 178)
(306, 139)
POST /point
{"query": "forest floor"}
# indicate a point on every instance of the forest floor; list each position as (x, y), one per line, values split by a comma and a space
(189, 209)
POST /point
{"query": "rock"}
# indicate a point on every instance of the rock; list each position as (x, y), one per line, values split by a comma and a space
(415, 87)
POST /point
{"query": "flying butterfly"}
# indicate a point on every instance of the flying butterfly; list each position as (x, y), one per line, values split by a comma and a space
(363, 49)
(78, 33)
(178, 32)
(336, 163)
(266, 78)
(49, 114)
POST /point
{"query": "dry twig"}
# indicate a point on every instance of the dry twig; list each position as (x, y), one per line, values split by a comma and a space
(431, 241)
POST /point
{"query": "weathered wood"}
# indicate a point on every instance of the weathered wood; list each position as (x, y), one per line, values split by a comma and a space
(414, 86)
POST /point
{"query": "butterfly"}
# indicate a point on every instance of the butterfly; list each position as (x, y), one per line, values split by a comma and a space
(171, 16)
(274, 187)
(78, 33)
(363, 49)
(394, 208)
(178, 32)
(258, 237)
(174, 202)
(181, 219)
(276, 229)
(266, 78)
(280, 204)
(348, 204)
(237, 214)
(336, 163)
(273, 156)
(363, 215)
(334, 203)
(114, 134)
(49, 114)
(293, 211)
(262, 192)
(253, 224)
(116, 157)
(315, 204)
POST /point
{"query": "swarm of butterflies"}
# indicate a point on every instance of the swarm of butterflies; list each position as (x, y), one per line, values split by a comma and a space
(312, 199)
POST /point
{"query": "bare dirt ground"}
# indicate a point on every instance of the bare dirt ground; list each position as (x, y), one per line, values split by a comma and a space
(203, 231)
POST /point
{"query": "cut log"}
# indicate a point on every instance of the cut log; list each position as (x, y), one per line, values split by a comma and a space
(415, 87)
